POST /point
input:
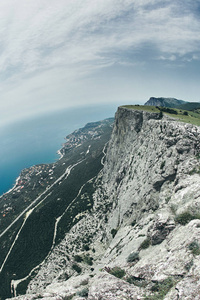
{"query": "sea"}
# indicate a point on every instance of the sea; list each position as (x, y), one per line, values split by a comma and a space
(36, 140)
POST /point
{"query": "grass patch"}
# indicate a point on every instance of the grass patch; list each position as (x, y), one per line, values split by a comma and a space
(181, 115)
(143, 107)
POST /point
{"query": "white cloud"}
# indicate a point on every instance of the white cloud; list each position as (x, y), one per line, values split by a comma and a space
(59, 42)
(43, 34)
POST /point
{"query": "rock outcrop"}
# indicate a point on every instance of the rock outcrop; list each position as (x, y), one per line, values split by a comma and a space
(141, 240)
(167, 102)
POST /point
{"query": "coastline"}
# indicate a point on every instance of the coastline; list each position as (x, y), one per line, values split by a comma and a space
(60, 153)
(19, 177)
(10, 190)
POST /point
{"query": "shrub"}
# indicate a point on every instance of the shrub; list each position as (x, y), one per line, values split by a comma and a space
(68, 297)
(137, 281)
(186, 217)
(194, 248)
(161, 289)
(145, 244)
(88, 260)
(160, 115)
(188, 265)
(168, 110)
(133, 223)
(86, 247)
(113, 232)
(133, 257)
(77, 268)
(117, 272)
(83, 292)
(78, 258)
(195, 171)
(162, 165)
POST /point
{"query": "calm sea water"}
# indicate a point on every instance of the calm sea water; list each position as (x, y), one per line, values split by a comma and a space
(37, 140)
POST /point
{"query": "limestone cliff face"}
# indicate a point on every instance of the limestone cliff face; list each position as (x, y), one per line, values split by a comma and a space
(147, 159)
(145, 221)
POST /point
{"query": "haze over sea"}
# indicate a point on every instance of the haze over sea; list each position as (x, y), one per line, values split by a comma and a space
(37, 140)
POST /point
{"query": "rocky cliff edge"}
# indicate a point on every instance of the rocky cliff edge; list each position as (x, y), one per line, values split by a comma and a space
(143, 233)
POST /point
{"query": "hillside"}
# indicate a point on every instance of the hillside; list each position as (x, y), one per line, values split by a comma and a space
(45, 203)
(190, 106)
(173, 103)
(165, 102)
(140, 238)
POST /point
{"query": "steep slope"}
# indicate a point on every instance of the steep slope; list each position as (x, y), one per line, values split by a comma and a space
(167, 102)
(42, 206)
(141, 239)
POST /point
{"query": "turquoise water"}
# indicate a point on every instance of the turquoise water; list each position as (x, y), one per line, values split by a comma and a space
(37, 140)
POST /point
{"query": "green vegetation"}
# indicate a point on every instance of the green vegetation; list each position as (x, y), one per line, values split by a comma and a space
(195, 171)
(35, 239)
(86, 247)
(162, 165)
(161, 289)
(78, 258)
(168, 110)
(114, 232)
(198, 156)
(68, 297)
(88, 260)
(190, 106)
(194, 248)
(143, 107)
(77, 268)
(189, 265)
(185, 217)
(136, 281)
(192, 117)
(145, 244)
(133, 223)
(83, 292)
(133, 257)
(117, 272)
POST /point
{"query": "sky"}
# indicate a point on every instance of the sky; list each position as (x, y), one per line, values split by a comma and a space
(61, 54)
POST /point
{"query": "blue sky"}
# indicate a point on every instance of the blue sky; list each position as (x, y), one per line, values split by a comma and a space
(69, 53)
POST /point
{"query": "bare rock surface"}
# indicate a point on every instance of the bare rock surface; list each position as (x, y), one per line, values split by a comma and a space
(144, 225)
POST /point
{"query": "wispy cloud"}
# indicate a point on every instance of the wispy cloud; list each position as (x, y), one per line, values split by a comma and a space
(80, 37)
(38, 35)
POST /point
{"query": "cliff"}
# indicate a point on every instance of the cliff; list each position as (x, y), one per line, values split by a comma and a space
(141, 238)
